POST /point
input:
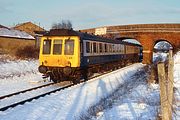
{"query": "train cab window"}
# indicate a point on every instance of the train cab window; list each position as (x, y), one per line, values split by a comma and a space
(47, 46)
(69, 47)
(57, 47)
(88, 47)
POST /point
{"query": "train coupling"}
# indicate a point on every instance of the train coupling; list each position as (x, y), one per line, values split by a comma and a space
(44, 76)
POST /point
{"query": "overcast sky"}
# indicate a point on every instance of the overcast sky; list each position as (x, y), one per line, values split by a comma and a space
(89, 13)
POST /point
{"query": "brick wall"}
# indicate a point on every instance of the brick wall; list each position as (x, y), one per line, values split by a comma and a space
(29, 28)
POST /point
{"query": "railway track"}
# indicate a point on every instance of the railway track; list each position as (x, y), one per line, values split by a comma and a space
(7, 98)
(20, 102)
(23, 91)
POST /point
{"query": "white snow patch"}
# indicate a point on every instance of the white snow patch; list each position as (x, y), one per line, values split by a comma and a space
(14, 33)
(18, 75)
(160, 57)
(176, 115)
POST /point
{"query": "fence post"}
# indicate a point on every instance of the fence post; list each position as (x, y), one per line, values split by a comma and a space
(170, 81)
(163, 92)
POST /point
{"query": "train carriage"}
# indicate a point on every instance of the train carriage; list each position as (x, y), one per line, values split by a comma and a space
(72, 55)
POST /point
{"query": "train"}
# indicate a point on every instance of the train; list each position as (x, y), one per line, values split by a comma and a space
(68, 55)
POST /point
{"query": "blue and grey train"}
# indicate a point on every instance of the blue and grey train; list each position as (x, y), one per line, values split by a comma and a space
(73, 55)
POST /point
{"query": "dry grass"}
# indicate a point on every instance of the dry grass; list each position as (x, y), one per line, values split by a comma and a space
(20, 48)
(27, 52)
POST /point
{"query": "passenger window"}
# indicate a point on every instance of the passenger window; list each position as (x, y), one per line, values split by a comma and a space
(110, 48)
(91, 47)
(57, 47)
(122, 48)
(105, 47)
(100, 47)
(88, 47)
(94, 48)
(46, 46)
(69, 47)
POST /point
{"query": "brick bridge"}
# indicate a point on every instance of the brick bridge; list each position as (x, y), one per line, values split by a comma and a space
(147, 34)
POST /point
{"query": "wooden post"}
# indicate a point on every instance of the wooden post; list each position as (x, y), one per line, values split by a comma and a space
(163, 92)
(170, 81)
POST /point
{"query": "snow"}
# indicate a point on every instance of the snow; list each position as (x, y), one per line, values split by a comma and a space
(138, 102)
(14, 33)
(18, 75)
(130, 95)
(177, 86)
(67, 104)
(159, 56)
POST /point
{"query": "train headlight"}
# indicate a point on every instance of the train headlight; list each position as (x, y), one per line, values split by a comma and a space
(42, 69)
(67, 70)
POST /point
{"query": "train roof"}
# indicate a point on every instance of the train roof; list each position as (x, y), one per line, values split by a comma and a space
(84, 36)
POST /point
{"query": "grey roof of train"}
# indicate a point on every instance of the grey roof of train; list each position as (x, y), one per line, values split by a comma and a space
(67, 32)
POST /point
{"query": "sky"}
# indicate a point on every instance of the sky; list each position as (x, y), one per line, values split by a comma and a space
(89, 13)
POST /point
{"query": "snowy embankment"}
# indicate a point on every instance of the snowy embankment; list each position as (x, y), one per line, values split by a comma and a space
(18, 75)
(177, 86)
(134, 100)
(72, 102)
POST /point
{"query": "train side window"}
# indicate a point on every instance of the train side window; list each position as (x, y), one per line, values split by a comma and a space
(114, 47)
(69, 47)
(47, 46)
(119, 48)
(88, 47)
(110, 48)
(100, 48)
(94, 48)
(57, 47)
(127, 49)
(105, 48)
(91, 47)
(122, 49)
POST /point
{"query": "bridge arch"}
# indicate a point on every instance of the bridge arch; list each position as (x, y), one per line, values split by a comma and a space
(162, 44)
(165, 42)
(161, 48)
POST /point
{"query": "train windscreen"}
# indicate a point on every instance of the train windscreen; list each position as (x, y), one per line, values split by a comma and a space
(57, 47)
(69, 47)
(47, 46)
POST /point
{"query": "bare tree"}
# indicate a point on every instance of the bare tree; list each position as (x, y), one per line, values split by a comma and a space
(64, 24)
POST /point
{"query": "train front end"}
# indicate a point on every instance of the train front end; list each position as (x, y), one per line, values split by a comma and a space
(59, 55)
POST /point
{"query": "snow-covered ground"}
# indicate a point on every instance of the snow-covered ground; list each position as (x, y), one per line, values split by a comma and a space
(69, 103)
(18, 75)
(159, 56)
(177, 86)
(121, 95)
(14, 33)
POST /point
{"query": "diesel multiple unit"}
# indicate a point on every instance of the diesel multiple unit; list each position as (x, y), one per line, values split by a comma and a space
(73, 55)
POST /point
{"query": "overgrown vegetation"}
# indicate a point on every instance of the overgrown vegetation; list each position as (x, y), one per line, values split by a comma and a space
(27, 52)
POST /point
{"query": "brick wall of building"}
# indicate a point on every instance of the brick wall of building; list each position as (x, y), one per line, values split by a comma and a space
(29, 28)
